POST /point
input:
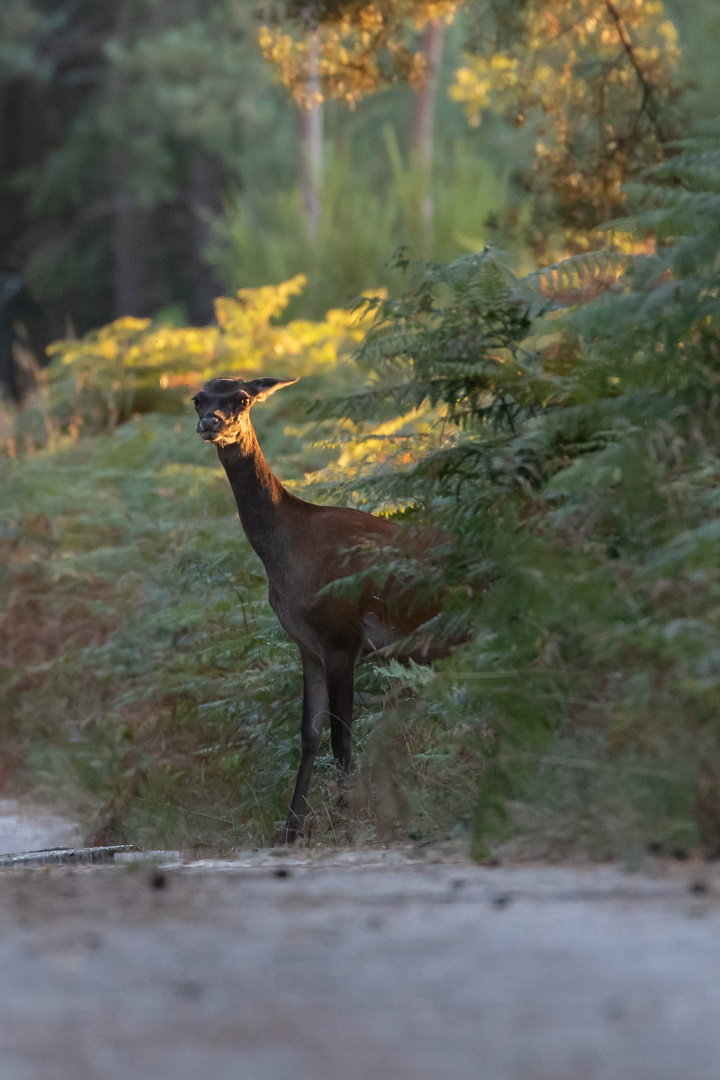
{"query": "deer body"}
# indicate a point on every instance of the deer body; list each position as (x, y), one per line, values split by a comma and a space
(304, 547)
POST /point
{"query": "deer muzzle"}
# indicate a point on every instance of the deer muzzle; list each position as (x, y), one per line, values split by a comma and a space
(209, 427)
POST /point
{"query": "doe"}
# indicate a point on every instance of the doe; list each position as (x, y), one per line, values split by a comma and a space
(303, 548)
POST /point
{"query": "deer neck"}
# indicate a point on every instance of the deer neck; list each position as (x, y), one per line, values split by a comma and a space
(260, 498)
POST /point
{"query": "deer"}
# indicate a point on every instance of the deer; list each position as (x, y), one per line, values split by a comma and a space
(304, 547)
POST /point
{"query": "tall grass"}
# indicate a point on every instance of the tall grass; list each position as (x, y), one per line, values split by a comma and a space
(366, 215)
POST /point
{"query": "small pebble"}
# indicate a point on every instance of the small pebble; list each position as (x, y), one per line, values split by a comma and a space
(282, 871)
(158, 879)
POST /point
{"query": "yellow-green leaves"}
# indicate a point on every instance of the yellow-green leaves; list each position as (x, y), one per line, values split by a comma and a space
(595, 80)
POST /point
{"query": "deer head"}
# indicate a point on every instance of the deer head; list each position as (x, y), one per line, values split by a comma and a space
(223, 406)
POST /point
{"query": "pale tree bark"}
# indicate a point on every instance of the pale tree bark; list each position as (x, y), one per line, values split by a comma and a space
(423, 123)
(311, 146)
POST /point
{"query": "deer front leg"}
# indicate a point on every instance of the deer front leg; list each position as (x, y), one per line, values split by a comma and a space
(315, 701)
(340, 672)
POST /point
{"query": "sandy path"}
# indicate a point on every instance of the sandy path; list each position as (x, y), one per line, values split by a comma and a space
(361, 967)
(23, 828)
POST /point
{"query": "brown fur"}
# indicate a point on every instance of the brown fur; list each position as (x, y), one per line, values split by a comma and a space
(305, 547)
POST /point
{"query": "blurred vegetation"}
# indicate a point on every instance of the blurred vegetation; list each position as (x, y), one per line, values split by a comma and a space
(265, 239)
(127, 131)
(360, 47)
(598, 84)
(560, 422)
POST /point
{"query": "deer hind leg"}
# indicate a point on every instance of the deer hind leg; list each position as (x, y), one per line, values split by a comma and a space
(315, 701)
(340, 671)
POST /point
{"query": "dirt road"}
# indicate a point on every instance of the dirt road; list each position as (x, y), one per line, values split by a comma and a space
(358, 966)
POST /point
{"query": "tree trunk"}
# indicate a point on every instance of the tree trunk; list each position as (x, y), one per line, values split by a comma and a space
(129, 223)
(311, 147)
(205, 203)
(424, 120)
(128, 240)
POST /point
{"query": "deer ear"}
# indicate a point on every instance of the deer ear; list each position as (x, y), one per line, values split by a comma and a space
(261, 389)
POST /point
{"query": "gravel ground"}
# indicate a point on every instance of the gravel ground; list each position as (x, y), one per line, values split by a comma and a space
(359, 965)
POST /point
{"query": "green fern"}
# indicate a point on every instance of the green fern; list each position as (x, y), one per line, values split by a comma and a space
(576, 461)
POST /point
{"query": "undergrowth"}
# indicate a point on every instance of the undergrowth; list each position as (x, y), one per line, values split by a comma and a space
(143, 676)
(564, 428)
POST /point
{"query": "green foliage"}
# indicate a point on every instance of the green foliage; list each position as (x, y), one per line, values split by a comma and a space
(263, 237)
(699, 31)
(136, 366)
(575, 459)
(140, 119)
(137, 648)
(562, 427)
(596, 83)
(146, 110)
(19, 21)
(137, 638)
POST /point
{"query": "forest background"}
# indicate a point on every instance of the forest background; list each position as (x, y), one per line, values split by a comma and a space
(543, 388)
